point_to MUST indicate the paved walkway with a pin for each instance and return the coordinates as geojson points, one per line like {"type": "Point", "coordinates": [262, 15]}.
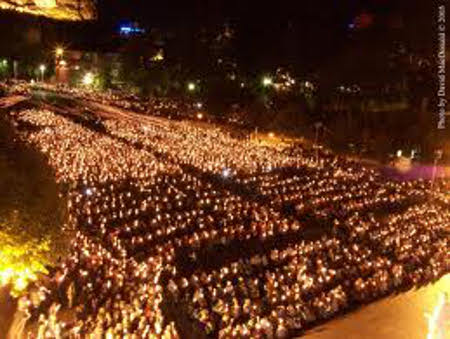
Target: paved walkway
{"type": "Point", "coordinates": [399, 317]}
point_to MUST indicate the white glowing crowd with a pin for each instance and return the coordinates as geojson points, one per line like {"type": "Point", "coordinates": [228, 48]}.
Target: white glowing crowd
{"type": "Point", "coordinates": [182, 231]}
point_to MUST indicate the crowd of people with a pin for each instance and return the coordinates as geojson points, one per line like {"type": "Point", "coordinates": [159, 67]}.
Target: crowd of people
{"type": "Point", "coordinates": [156, 106]}
{"type": "Point", "coordinates": [180, 230]}
{"type": "Point", "coordinates": [175, 108]}
{"type": "Point", "coordinates": [285, 290]}
{"type": "Point", "coordinates": [218, 152]}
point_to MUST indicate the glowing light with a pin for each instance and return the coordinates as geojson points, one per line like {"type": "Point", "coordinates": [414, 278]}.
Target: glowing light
{"type": "Point", "coordinates": [199, 105]}
{"type": "Point", "coordinates": [191, 86]}
{"type": "Point", "coordinates": [267, 81]}
{"type": "Point", "coordinates": [59, 51]}
{"type": "Point", "coordinates": [88, 192]}
{"type": "Point", "coordinates": [42, 68]}
{"type": "Point", "coordinates": [158, 56]}
{"type": "Point", "coordinates": [199, 115]}
{"type": "Point", "coordinates": [129, 30]}
{"type": "Point", "coordinates": [399, 153]}
{"type": "Point", "coordinates": [20, 262]}
{"type": "Point", "coordinates": [271, 135]}
{"type": "Point", "coordinates": [19, 277]}
{"type": "Point", "coordinates": [45, 3]}
{"type": "Point", "coordinates": [226, 172]}
{"type": "Point", "coordinates": [88, 79]}
{"type": "Point", "coordinates": [63, 63]}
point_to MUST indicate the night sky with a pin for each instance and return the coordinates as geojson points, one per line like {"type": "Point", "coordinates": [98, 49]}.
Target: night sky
{"type": "Point", "coordinates": [308, 34]}
{"type": "Point", "coordinates": [173, 12]}
{"type": "Point", "coordinates": [314, 20]}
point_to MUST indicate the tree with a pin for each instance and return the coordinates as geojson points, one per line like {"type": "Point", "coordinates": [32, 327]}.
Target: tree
{"type": "Point", "coordinates": [31, 213]}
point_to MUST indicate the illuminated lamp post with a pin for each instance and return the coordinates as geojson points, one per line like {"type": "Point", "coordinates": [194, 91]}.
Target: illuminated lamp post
{"type": "Point", "coordinates": [42, 68]}
{"type": "Point", "coordinates": [59, 52]}
{"type": "Point", "coordinates": [60, 63]}
{"type": "Point", "coordinates": [267, 81]}
{"type": "Point", "coordinates": [88, 79]}
{"type": "Point", "coordinates": [191, 86]}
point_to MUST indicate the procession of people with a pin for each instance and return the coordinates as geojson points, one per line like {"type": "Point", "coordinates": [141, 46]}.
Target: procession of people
{"type": "Point", "coordinates": [178, 228]}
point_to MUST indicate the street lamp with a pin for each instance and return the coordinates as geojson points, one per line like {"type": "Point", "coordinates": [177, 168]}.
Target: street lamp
{"type": "Point", "coordinates": [191, 86]}
{"type": "Point", "coordinates": [88, 79]}
{"type": "Point", "coordinates": [267, 81]}
{"type": "Point", "coordinates": [42, 68]}
{"type": "Point", "coordinates": [59, 51]}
